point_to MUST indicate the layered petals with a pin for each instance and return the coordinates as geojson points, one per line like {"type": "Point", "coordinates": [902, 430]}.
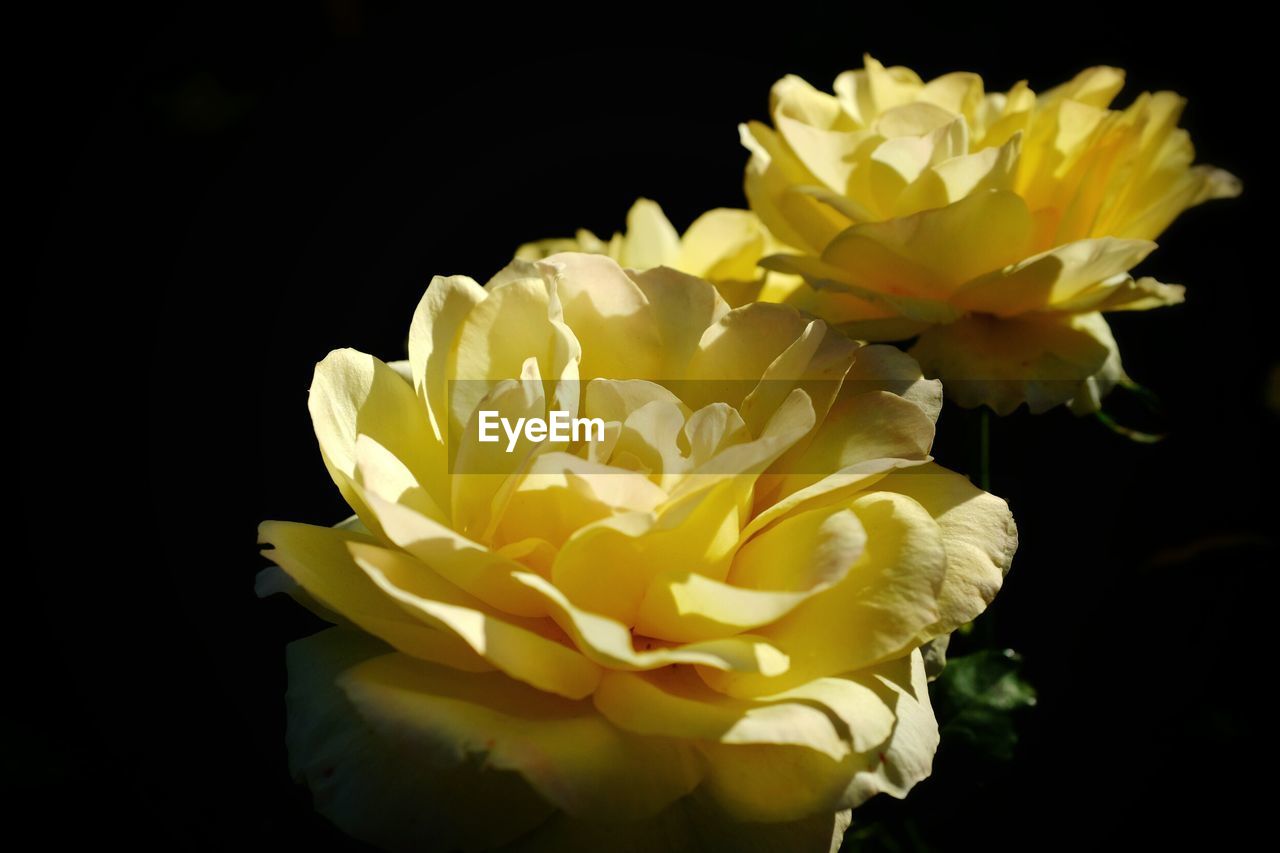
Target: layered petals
{"type": "Point", "coordinates": [723, 246]}
{"type": "Point", "coordinates": [700, 614]}
{"type": "Point", "coordinates": [912, 207]}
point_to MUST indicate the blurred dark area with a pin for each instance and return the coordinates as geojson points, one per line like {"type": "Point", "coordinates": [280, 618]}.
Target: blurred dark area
{"type": "Point", "coordinates": [224, 193]}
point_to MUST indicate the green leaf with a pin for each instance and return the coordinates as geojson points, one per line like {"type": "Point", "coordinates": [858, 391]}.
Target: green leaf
{"type": "Point", "coordinates": [976, 697]}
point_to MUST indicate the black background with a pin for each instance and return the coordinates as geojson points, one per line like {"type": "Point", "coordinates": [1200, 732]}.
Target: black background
{"type": "Point", "coordinates": [226, 193]}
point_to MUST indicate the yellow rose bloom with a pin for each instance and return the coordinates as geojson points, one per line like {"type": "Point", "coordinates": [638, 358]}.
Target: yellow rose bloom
{"type": "Point", "coordinates": [699, 629]}
{"type": "Point", "coordinates": [994, 227]}
{"type": "Point", "coordinates": [723, 246]}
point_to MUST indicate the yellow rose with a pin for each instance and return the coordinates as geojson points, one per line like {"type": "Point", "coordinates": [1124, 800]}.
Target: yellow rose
{"type": "Point", "coordinates": [698, 629]}
{"type": "Point", "coordinates": [995, 227]}
{"type": "Point", "coordinates": [723, 246]}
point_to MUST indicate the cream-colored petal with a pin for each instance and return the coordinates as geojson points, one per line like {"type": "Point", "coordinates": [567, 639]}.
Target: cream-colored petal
{"type": "Point", "coordinates": [869, 420]}
{"type": "Point", "coordinates": [1096, 86]}
{"type": "Point", "coordinates": [684, 308]}
{"type": "Point", "coordinates": [379, 470]}
{"type": "Point", "coordinates": [674, 702]}
{"type": "Point", "coordinates": [907, 757]}
{"type": "Point", "coordinates": [565, 750]}
{"type": "Point", "coordinates": [880, 305]}
{"type": "Point", "coordinates": [523, 649]}
{"type": "Point", "coordinates": [899, 753]}
{"type": "Point", "coordinates": [828, 542]}
{"type": "Point", "coordinates": [786, 429]}
{"type": "Point", "coordinates": [884, 368]}
{"type": "Point", "coordinates": [610, 643]}
{"type": "Point", "coordinates": [817, 131]}
{"type": "Point", "coordinates": [978, 533]}
{"type": "Point", "coordinates": [711, 429]}
{"type": "Point", "coordinates": [1123, 293]}
{"type": "Point", "coordinates": [651, 435]}
{"type": "Point", "coordinates": [736, 351]}
{"type": "Point", "coordinates": [772, 574]}
{"type": "Point", "coordinates": [483, 471]}
{"type": "Point", "coordinates": [403, 369]}
{"type": "Point", "coordinates": [520, 319]}
{"type": "Point", "coordinates": [562, 493]}
{"type": "Point", "coordinates": [771, 783]}
{"type": "Point", "coordinates": [617, 400]}
{"type": "Point", "coordinates": [651, 239]}
{"type": "Point", "coordinates": [352, 394]}
{"type": "Point", "coordinates": [607, 567]}
{"type": "Point", "coordinates": [318, 560]}
{"type": "Point", "coordinates": [874, 613]}
{"type": "Point", "coordinates": [1052, 279]}
{"type": "Point", "coordinates": [603, 307]}
{"type": "Point", "coordinates": [893, 734]}
{"type": "Point", "coordinates": [930, 254]}
{"type": "Point", "coordinates": [401, 793]}
{"type": "Point", "coordinates": [274, 579]}
{"type": "Point", "coordinates": [436, 322]}
{"type": "Point", "coordinates": [959, 92]}
{"type": "Point", "coordinates": [829, 490]}
{"type": "Point", "coordinates": [1088, 398]}
{"type": "Point", "coordinates": [961, 176]}
{"type": "Point", "coordinates": [815, 362]}
{"type": "Point", "coordinates": [775, 186]}
{"type": "Point", "coordinates": [538, 250]}
{"type": "Point", "coordinates": [874, 89]}
{"type": "Point", "coordinates": [916, 119]}
{"type": "Point", "coordinates": [723, 244]}
{"type": "Point", "coordinates": [859, 428]}
{"type": "Point", "coordinates": [857, 318]}
{"type": "Point", "coordinates": [484, 573]}
{"type": "Point", "coordinates": [1038, 359]}
{"type": "Point", "coordinates": [857, 700]}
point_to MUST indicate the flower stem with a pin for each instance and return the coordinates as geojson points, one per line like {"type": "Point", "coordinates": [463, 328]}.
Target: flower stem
{"type": "Point", "coordinates": [984, 449]}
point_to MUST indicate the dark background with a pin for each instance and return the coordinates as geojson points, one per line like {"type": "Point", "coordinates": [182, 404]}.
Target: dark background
{"type": "Point", "coordinates": [225, 193]}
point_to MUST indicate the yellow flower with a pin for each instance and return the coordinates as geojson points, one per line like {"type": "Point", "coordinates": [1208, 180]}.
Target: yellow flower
{"type": "Point", "coordinates": [723, 246]}
{"type": "Point", "coordinates": [996, 227]}
{"type": "Point", "coordinates": [702, 623]}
